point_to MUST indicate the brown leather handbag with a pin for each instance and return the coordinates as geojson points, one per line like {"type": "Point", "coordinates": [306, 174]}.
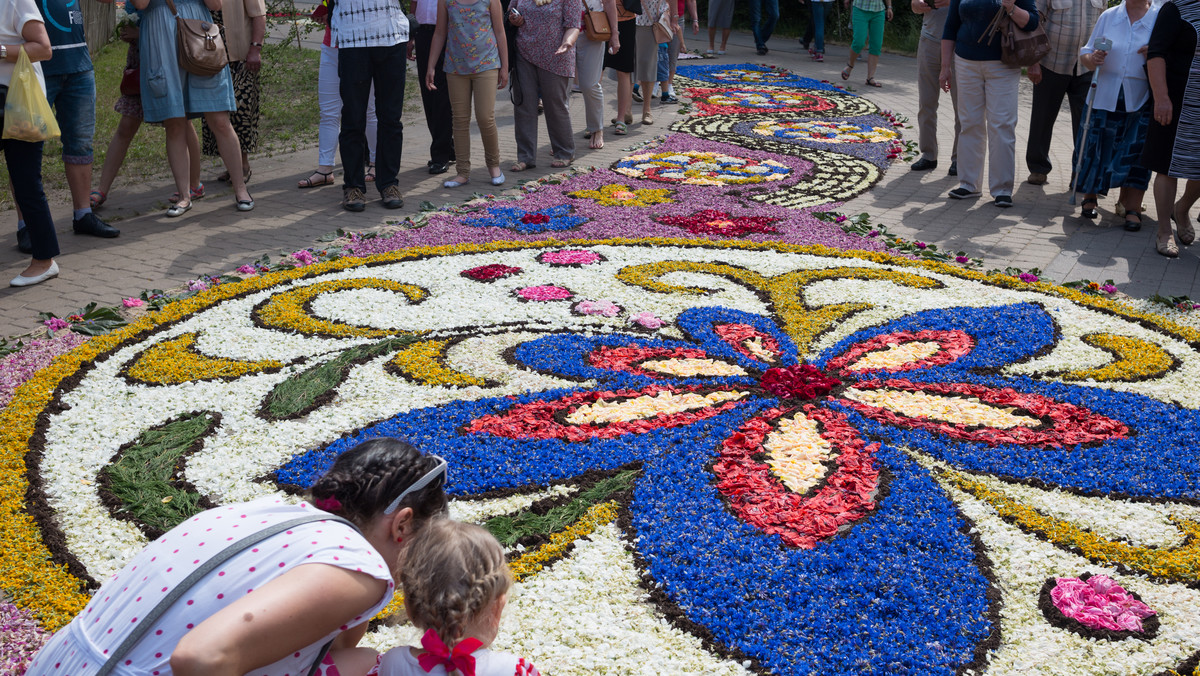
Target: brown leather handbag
{"type": "Point", "coordinates": [1019, 48]}
{"type": "Point", "coordinates": [595, 24]}
{"type": "Point", "coordinates": [199, 44]}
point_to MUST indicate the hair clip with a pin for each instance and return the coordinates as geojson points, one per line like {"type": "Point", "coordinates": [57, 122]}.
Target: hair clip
{"type": "Point", "coordinates": [329, 504]}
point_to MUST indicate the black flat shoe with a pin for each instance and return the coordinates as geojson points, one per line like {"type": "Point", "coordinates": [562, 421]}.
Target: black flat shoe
{"type": "Point", "coordinates": [953, 169]}
{"type": "Point", "coordinates": [439, 167]}
{"type": "Point", "coordinates": [924, 164]}
{"type": "Point", "coordinates": [1089, 211]}
{"type": "Point", "coordinates": [1130, 225]}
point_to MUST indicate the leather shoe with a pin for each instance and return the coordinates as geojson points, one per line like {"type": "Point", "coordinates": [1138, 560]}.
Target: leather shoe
{"type": "Point", "coordinates": [90, 224]}
{"type": "Point", "coordinates": [22, 280]}
{"type": "Point", "coordinates": [1037, 179]}
{"type": "Point", "coordinates": [953, 169]}
{"type": "Point", "coordinates": [24, 241]}
{"type": "Point", "coordinates": [924, 164]}
{"type": "Point", "coordinates": [438, 167]}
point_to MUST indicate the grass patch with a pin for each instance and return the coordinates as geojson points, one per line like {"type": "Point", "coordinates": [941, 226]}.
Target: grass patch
{"type": "Point", "coordinates": [289, 119]}
{"type": "Point", "coordinates": [510, 529]}
{"type": "Point", "coordinates": [143, 480]}
{"type": "Point", "coordinates": [306, 391]}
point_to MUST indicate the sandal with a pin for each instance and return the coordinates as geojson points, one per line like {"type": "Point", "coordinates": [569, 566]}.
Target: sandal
{"type": "Point", "coordinates": [621, 128]}
{"type": "Point", "coordinates": [562, 164]}
{"type": "Point", "coordinates": [370, 177]}
{"type": "Point", "coordinates": [1187, 232]}
{"type": "Point", "coordinates": [1088, 211]}
{"type": "Point", "coordinates": [846, 71]}
{"type": "Point", "coordinates": [1131, 225]}
{"type": "Point", "coordinates": [310, 182]}
{"type": "Point", "coordinates": [97, 198]}
{"type": "Point", "coordinates": [521, 166]}
{"type": "Point", "coordinates": [872, 83]}
{"type": "Point", "coordinates": [196, 194]}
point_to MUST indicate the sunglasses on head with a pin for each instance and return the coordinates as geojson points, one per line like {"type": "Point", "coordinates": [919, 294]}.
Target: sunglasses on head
{"type": "Point", "coordinates": [439, 470]}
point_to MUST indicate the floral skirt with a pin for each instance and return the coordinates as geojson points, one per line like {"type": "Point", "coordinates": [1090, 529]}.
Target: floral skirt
{"type": "Point", "coordinates": [245, 118]}
{"type": "Point", "coordinates": [1112, 151]}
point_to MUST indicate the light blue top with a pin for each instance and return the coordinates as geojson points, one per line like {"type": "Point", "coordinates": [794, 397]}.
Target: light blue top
{"type": "Point", "coordinates": [470, 38]}
{"type": "Point", "coordinates": [169, 91]}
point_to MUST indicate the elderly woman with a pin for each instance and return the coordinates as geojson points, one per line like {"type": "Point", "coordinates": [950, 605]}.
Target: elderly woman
{"type": "Point", "coordinates": [322, 570]}
{"type": "Point", "coordinates": [171, 95]}
{"type": "Point", "coordinates": [545, 66]}
{"type": "Point", "coordinates": [589, 66]}
{"type": "Point", "coordinates": [647, 47]}
{"type": "Point", "coordinates": [1120, 110]}
{"type": "Point", "coordinates": [1174, 133]}
{"type": "Point", "coordinates": [21, 27]}
{"type": "Point", "coordinates": [987, 94]}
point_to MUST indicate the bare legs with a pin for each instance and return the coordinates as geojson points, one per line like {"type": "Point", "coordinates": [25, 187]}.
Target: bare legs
{"type": "Point", "coordinates": [231, 152]}
{"type": "Point", "coordinates": [646, 98]}
{"type": "Point", "coordinates": [118, 147]}
{"type": "Point", "coordinates": [712, 38]}
{"type": "Point", "coordinates": [183, 154]}
{"type": "Point", "coordinates": [624, 95]}
{"type": "Point", "coordinates": [179, 156]}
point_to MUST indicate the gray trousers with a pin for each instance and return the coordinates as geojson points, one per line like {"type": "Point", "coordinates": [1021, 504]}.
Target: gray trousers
{"type": "Point", "coordinates": [589, 66]}
{"type": "Point", "coordinates": [554, 90]}
{"type": "Point", "coordinates": [929, 66]}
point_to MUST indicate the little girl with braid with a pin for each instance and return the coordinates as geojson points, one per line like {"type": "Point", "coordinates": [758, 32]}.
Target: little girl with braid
{"type": "Point", "coordinates": [455, 586]}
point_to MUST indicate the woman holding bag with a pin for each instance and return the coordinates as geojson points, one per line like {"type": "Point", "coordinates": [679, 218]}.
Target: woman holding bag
{"type": "Point", "coordinates": [653, 12]}
{"type": "Point", "coordinates": [318, 573]}
{"type": "Point", "coordinates": [21, 28]}
{"type": "Point", "coordinates": [172, 95]}
{"type": "Point", "coordinates": [589, 67]}
{"type": "Point", "coordinates": [545, 66]}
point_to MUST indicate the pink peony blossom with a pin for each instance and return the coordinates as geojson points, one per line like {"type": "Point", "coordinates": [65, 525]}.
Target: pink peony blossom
{"type": "Point", "coordinates": [962, 259]}
{"type": "Point", "coordinates": [303, 257]}
{"type": "Point", "coordinates": [247, 270]}
{"type": "Point", "coordinates": [544, 293]}
{"type": "Point", "coordinates": [133, 302]}
{"type": "Point", "coordinates": [1108, 288]}
{"type": "Point", "coordinates": [647, 319]}
{"type": "Point", "coordinates": [56, 324]}
{"type": "Point", "coordinates": [1028, 277]}
{"type": "Point", "coordinates": [570, 257]}
{"type": "Point", "coordinates": [605, 308]}
{"type": "Point", "coordinates": [1099, 603]}
{"type": "Point", "coordinates": [196, 285]}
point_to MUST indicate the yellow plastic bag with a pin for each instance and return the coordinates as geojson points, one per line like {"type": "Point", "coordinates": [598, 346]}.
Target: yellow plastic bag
{"type": "Point", "coordinates": [27, 114]}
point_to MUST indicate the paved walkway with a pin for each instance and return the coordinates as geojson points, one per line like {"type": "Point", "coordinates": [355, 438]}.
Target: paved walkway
{"type": "Point", "coordinates": [155, 252]}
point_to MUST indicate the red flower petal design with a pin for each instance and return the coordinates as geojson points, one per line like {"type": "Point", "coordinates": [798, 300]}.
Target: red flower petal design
{"type": "Point", "coordinates": [952, 344]}
{"type": "Point", "coordinates": [749, 341]}
{"type": "Point", "coordinates": [629, 357]}
{"type": "Point", "coordinates": [757, 496]}
{"type": "Point", "coordinates": [1062, 424]}
{"type": "Point", "coordinates": [550, 419]}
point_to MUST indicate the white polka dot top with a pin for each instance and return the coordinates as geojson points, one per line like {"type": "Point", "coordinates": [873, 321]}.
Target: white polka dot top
{"type": "Point", "coordinates": [80, 648]}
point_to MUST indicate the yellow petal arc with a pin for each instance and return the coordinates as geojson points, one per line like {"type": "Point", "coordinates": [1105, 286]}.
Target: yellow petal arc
{"type": "Point", "coordinates": [1133, 359]}
{"type": "Point", "coordinates": [176, 360]}
{"type": "Point", "coordinates": [290, 310]}
{"type": "Point", "coordinates": [957, 410]}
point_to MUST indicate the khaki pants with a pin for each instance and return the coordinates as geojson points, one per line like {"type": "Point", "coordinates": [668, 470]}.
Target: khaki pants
{"type": "Point", "coordinates": [987, 111]}
{"type": "Point", "coordinates": [481, 87]}
{"type": "Point", "coordinates": [929, 67]}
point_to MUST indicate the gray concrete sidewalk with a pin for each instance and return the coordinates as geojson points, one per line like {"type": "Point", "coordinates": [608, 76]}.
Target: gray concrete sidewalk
{"type": "Point", "coordinates": [155, 252]}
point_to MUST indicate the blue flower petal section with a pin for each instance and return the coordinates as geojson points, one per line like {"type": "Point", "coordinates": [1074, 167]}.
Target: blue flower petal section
{"type": "Point", "coordinates": [481, 462]}
{"type": "Point", "coordinates": [900, 593]}
{"type": "Point", "coordinates": [698, 324]}
{"type": "Point", "coordinates": [514, 218]}
{"type": "Point", "coordinates": [1003, 335]}
{"type": "Point", "coordinates": [1158, 459]}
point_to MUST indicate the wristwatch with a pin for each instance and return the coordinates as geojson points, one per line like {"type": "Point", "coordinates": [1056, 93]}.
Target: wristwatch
{"type": "Point", "coordinates": [3, 52]}
{"type": "Point", "coordinates": [256, 44]}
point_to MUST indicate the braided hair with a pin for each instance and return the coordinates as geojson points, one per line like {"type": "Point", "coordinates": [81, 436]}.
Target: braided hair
{"type": "Point", "coordinates": [452, 572]}
{"type": "Point", "coordinates": [365, 479]}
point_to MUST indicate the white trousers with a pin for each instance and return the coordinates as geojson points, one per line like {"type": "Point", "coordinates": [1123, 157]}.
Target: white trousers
{"type": "Point", "coordinates": [329, 99]}
{"type": "Point", "coordinates": [987, 111]}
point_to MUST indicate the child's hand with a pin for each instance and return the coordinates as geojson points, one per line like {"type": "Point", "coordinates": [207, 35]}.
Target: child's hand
{"type": "Point", "coordinates": [503, 82]}
{"type": "Point", "coordinates": [429, 78]}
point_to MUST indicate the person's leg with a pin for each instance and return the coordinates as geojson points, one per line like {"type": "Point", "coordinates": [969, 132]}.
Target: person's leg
{"type": "Point", "coordinates": [75, 110]}
{"type": "Point", "coordinates": [329, 103]}
{"type": "Point", "coordinates": [436, 102]}
{"type": "Point", "coordinates": [809, 29]}
{"type": "Point", "coordinates": [1047, 100]}
{"type": "Point", "coordinates": [1183, 208]}
{"type": "Point", "coordinates": [712, 36]}
{"type": "Point", "coordinates": [230, 150]}
{"type": "Point", "coordinates": [483, 87]}
{"type": "Point", "coordinates": [1000, 99]}
{"type": "Point", "coordinates": [971, 114]}
{"type": "Point", "coordinates": [194, 156]}
{"type": "Point", "coordinates": [354, 86]}
{"type": "Point", "coordinates": [928, 92]}
{"type": "Point", "coordinates": [624, 94]}
{"type": "Point", "coordinates": [388, 67]}
{"type": "Point", "coordinates": [663, 72]}
{"type": "Point", "coordinates": [117, 148]}
{"type": "Point", "coordinates": [525, 123]}
{"type": "Point", "coordinates": [818, 26]}
{"type": "Point", "coordinates": [178, 156]}
{"type": "Point", "coordinates": [725, 32]}
{"type": "Point", "coordinates": [755, 17]}
{"type": "Point", "coordinates": [589, 70]}
{"type": "Point", "coordinates": [770, 18]}
{"type": "Point", "coordinates": [556, 93]}
{"type": "Point", "coordinates": [1164, 204]}
{"type": "Point", "coordinates": [373, 128]}
{"type": "Point", "coordinates": [24, 162]}
{"type": "Point", "coordinates": [858, 39]}
{"type": "Point", "coordinates": [874, 42]}
{"type": "Point", "coordinates": [460, 87]}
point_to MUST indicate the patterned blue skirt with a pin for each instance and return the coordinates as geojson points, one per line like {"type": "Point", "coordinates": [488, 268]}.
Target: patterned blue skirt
{"type": "Point", "coordinates": [1112, 153]}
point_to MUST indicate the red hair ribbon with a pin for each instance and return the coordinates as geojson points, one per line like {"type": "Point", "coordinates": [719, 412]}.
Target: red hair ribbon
{"type": "Point", "coordinates": [329, 504]}
{"type": "Point", "coordinates": [437, 653]}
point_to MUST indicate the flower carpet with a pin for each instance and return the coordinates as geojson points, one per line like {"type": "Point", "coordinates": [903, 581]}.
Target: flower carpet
{"type": "Point", "coordinates": [716, 432]}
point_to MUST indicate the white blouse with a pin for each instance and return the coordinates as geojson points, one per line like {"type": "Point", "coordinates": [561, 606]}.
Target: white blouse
{"type": "Point", "coordinates": [1123, 69]}
{"type": "Point", "coordinates": [14, 14]}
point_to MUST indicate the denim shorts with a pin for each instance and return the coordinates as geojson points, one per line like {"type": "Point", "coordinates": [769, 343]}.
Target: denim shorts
{"type": "Point", "coordinates": [73, 96]}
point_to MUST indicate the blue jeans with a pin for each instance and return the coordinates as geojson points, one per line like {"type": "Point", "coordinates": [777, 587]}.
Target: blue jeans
{"type": "Point", "coordinates": [25, 169]}
{"type": "Point", "coordinates": [815, 33]}
{"type": "Point", "coordinates": [73, 96]}
{"type": "Point", "coordinates": [762, 32]}
{"type": "Point", "coordinates": [358, 67]}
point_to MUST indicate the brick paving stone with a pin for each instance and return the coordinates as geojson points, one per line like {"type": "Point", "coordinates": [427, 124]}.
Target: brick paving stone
{"type": "Point", "coordinates": [1042, 230]}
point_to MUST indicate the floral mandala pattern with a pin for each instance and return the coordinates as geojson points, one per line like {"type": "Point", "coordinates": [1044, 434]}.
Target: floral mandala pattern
{"type": "Point", "coordinates": [557, 218]}
{"type": "Point", "coordinates": [701, 168]}
{"type": "Point", "coordinates": [825, 131]}
{"type": "Point", "coordinates": [620, 195]}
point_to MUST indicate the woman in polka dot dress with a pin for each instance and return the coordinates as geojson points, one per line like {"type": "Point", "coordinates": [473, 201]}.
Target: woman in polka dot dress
{"type": "Point", "coordinates": [272, 608]}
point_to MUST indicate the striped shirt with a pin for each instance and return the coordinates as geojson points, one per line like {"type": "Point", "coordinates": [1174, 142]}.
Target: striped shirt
{"type": "Point", "coordinates": [1068, 24]}
{"type": "Point", "coordinates": [368, 23]}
